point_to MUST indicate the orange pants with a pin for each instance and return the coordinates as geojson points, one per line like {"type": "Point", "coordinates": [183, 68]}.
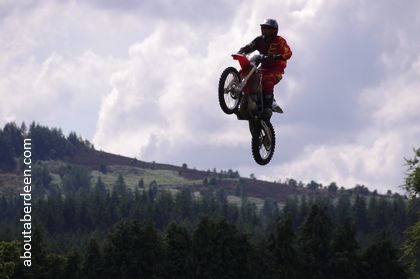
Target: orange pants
{"type": "Point", "coordinates": [269, 79]}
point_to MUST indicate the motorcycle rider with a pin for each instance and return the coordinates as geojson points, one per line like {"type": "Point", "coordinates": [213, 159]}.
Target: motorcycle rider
{"type": "Point", "coordinates": [276, 52]}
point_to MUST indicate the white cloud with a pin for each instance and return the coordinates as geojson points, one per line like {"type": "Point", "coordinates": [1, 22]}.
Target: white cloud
{"type": "Point", "coordinates": [372, 154]}
{"type": "Point", "coordinates": [57, 91]}
{"type": "Point", "coordinates": [140, 79]}
{"type": "Point", "coordinates": [51, 69]}
{"type": "Point", "coordinates": [371, 163]}
{"type": "Point", "coordinates": [164, 94]}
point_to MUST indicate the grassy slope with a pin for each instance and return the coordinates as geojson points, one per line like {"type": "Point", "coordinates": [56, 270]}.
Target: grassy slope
{"type": "Point", "coordinates": [166, 176]}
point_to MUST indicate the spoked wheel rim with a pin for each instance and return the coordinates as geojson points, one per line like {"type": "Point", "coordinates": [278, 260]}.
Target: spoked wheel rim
{"type": "Point", "coordinates": [229, 93]}
{"type": "Point", "coordinates": [263, 143]}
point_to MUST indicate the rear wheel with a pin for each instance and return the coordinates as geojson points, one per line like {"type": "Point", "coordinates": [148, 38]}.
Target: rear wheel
{"type": "Point", "coordinates": [229, 96]}
{"type": "Point", "coordinates": [263, 143]}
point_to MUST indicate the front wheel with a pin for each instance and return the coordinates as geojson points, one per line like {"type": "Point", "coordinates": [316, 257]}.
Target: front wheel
{"type": "Point", "coordinates": [229, 96]}
{"type": "Point", "coordinates": [263, 143]}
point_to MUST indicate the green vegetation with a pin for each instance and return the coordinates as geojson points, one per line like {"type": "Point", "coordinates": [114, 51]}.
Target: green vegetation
{"type": "Point", "coordinates": [411, 245]}
{"type": "Point", "coordinates": [92, 232]}
{"type": "Point", "coordinates": [163, 237]}
{"type": "Point", "coordinates": [132, 175]}
{"type": "Point", "coordinates": [137, 220]}
{"type": "Point", "coordinates": [412, 181]}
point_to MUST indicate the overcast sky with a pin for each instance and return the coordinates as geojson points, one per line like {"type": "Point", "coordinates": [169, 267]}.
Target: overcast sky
{"type": "Point", "coordinates": [139, 78]}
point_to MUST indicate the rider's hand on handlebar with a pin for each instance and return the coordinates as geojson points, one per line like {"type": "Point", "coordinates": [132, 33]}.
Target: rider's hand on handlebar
{"type": "Point", "coordinates": [272, 57]}
{"type": "Point", "coordinates": [279, 57]}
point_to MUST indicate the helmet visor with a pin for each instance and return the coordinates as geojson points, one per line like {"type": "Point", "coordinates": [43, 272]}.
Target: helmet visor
{"type": "Point", "coordinates": [268, 31]}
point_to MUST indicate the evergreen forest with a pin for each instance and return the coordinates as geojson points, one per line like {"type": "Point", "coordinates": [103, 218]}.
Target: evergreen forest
{"type": "Point", "coordinates": [89, 224]}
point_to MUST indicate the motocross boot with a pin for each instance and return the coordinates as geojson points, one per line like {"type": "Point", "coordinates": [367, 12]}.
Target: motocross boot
{"type": "Point", "coordinates": [268, 103]}
{"type": "Point", "coordinates": [275, 107]}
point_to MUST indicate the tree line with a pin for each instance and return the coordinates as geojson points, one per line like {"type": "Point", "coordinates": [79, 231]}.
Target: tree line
{"type": "Point", "coordinates": [50, 143]}
{"type": "Point", "coordinates": [214, 248]}
{"type": "Point", "coordinates": [86, 230]}
{"type": "Point", "coordinates": [79, 203]}
{"type": "Point", "coordinates": [112, 231]}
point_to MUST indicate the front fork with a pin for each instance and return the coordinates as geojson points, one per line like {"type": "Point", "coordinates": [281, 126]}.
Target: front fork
{"type": "Point", "coordinates": [246, 78]}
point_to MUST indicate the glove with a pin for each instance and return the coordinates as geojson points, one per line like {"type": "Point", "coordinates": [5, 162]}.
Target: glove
{"type": "Point", "coordinates": [244, 50]}
{"type": "Point", "coordinates": [272, 57]}
{"type": "Point", "coordinates": [279, 57]}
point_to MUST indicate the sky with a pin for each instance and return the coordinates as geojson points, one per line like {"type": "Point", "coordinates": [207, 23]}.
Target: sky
{"type": "Point", "coordinates": [139, 78]}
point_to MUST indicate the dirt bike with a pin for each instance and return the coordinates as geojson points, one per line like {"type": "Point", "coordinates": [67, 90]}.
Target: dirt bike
{"type": "Point", "coordinates": [240, 93]}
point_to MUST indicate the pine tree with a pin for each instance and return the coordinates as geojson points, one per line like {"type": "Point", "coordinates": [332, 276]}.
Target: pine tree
{"type": "Point", "coordinates": [381, 261]}
{"type": "Point", "coordinates": [342, 210]}
{"type": "Point", "coordinates": [141, 183]}
{"type": "Point", "coordinates": [133, 250]}
{"type": "Point", "coordinates": [314, 242]}
{"type": "Point", "coordinates": [7, 161]}
{"type": "Point", "coordinates": [303, 210]}
{"type": "Point", "coordinates": [345, 262]}
{"type": "Point", "coordinates": [92, 266]}
{"type": "Point", "coordinates": [100, 188]}
{"type": "Point", "coordinates": [291, 208]}
{"type": "Point", "coordinates": [72, 267]}
{"type": "Point", "coordinates": [220, 251]}
{"type": "Point", "coordinates": [163, 209]}
{"type": "Point", "coordinates": [14, 138]}
{"type": "Point", "coordinates": [372, 213]}
{"type": "Point", "coordinates": [360, 214]}
{"type": "Point", "coordinates": [39, 260]}
{"type": "Point", "coordinates": [77, 180]}
{"type": "Point", "coordinates": [268, 210]}
{"type": "Point", "coordinates": [184, 204]}
{"type": "Point", "coordinates": [9, 258]}
{"type": "Point", "coordinates": [179, 251]}
{"type": "Point", "coordinates": [412, 181]}
{"type": "Point", "coordinates": [283, 255]}
{"type": "Point", "coordinates": [56, 265]}
{"type": "Point", "coordinates": [411, 247]}
{"type": "Point", "coordinates": [70, 216]}
{"type": "Point", "coordinates": [120, 186]}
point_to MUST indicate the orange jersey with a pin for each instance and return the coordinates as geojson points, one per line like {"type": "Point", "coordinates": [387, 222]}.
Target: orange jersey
{"type": "Point", "coordinates": [276, 46]}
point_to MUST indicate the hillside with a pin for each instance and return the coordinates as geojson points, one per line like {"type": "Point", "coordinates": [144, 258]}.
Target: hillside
{"type": "Point", "coordinates": [227, 180]}
{"type": "Point", "coordinates": [55, 153]}
{"type": "Point", "coordinates": [109, 166]}
{"type": "Point", "coordinates": [92, 205]}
